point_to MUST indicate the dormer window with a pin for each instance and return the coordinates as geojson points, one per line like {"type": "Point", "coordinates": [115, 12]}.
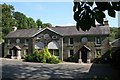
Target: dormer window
{"type": "Point", "coordinates": [71, 41]}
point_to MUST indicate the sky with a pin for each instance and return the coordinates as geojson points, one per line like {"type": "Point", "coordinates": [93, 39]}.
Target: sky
{"type": "Point", "coordinates": [56, 13]}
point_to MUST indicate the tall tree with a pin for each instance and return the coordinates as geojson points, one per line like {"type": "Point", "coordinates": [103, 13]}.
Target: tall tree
{"type": "Point", "coordinates": [85, 12]}
{"type": "Point", "coordinates": [39, 22]}
{"type": "Point", "coordinates": [117, 35]}
{"type": "Point", "coordinates": [44, 25]}
{"type": "Point", "coordinates": [113, 32]}
{"type": "Point", "coordinates": [31, 23]}
{"type": "Point", "coordinates": [21, 20]}
{"type": "Point", "coordinates": [7, 20]}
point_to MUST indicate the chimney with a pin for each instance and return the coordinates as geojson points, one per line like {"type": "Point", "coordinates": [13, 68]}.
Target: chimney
{"type": "Point", "coordinates": [105, 21]}
{"type": "Point", "coordinates": [14, 28]}
{"type": "Point", "coordinates": [39, 28]}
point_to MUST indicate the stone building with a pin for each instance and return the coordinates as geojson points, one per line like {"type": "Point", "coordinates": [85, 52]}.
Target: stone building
{"type": "Point", "coordinates": [62, 41]}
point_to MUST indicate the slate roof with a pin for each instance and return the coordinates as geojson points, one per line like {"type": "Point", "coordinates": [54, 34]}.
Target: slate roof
{"type": "Point", "coordinates": [63, 30]}
{"type": "Point", "coordinates": [71, 30]}
{"type": "Point", "coordinates": [116, 43]}
{"type": "Point", "coordinates": [22, 33]}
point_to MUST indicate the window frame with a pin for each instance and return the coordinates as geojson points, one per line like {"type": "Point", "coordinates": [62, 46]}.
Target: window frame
{"type": "Point", "coordinates": [70, 52]}
{"type": "Point", "coordinates": [98, 40]}
{"type": "Point", "coordinates": [71, 43]}
{"type": "Point", "coordinates": [26, 41]}
{"type": "Point", "coordinates": [9, 41]}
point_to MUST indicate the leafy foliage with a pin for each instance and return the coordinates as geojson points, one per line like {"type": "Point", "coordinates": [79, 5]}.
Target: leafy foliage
{"type": "Point", "coordinates": [43, 25]}
{"type": "Point", "coordinates": [113, 33]}
{"type": "Point", "coordinates": [10, 18]}
{"type": "Point", "coordinates": [31, 23]}
{"type": "Point", "coordinates": [7, 20]}
{"type": "Point", "coordinates": [46, 25]}
{"type": "Point", "coordinates": [22, 22]}
{"type": "Point", "coordinates": [42, 56]}
{"type": "Point", "coordinates": [117, 35]}
{"type": "Point", "coordinates": [85, 15]}
{"type": "Point", "coordinates": [39, 22]}
{"type": "Point", "coordinates": [53, 60]}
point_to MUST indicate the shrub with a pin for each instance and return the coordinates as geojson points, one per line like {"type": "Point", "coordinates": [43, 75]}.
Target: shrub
{"type": "Point", "coordinates": [43, 56]}
{"type": "Point", "coordinates": [53, 60]}
{"type": "Point", "coordinates": [71, 59]}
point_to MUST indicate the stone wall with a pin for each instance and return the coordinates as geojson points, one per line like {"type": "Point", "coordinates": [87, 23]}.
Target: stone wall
{"type": "Point", "coordinates": [104, 46]}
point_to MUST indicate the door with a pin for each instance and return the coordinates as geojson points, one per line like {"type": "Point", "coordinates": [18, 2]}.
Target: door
{"type": "Point", "coordinates": [84, 56]}
{"type": "Point", "coordinates": [15, 52]}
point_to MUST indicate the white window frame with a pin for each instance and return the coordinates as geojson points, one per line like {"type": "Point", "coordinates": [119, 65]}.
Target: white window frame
{"type": "Point", "coordinates": [26, 42]}
{"type": "Point", "coordinates": [69, 52]}
{"type": "Point", "coordinates": [9, 42]}
{"type": "Point", "coordinates": [96, 40]}
{"type": "Point", "coordinates": [54, 37]}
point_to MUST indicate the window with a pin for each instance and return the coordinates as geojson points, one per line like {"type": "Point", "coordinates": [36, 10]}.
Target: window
{"type": "Point", "coordinates": [98, 40]}
{"type": "Point", "coordinates": [54, 37]}
{"type": "Point", "coordinates": [25, 51]}
{"type": "Point", "coordinates": [9, 52]}
{"type": "Point", "coordinates": [56, 52]}
{"type": "Point", "coordinates": [26, 41]}
{"type": "Point", "coordinates": [71, 52]}
{"type": "Point", "coordinates": [17, 40]}
{"type": "Point", "coordinates": [9, 42]}
{"type": "Point", "coordinates": [98, 53]}
{"type": "Point", "coordinates": [70, 40]}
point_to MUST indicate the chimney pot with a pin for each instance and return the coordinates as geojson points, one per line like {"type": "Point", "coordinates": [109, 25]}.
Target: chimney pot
{"type": "Point", "coordinates": [14, 28]}
{"type": "Point", "coordinates": [106, 22]}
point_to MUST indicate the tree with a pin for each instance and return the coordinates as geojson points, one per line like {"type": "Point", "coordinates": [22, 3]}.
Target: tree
{"type": "Point", "coordinates": [117, 35]}
{"type": "Point", "coordinates": [31, 23]}
{"type": "Point", "coordinates": [46, 25]}
{"type": "Point", "coordinates": [10, 18]}
{"type": "Point", "coordinates": [43, 25]}
{"type": "Point", "coordinates": [85, 13]}
{"type": "Point", "coordinates": [20, 20]}
{"type": "Point", "coordinates": [39, 22]}
{"type": "Point", "coordinates": [113, 32]}
{"type": "Point", "coordinates": [7, 19]}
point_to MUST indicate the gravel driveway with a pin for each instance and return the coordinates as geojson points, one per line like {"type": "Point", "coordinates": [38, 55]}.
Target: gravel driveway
{"type": "Point", "coordinates": [17, 69]}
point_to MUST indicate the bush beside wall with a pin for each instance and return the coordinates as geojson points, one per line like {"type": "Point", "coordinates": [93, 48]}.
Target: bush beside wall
{"type": "Point", "coordinates": [42, 56]}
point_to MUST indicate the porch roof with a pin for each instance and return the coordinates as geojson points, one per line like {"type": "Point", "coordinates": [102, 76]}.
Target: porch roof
{"type": "Point", "coordinates": [16, 47]}
{"type": "Point", "coordinates": [87, 48]}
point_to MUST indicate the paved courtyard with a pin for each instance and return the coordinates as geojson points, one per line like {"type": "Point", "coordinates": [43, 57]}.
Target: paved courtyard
{"type": "Point", "coordinates": [16, 69]}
